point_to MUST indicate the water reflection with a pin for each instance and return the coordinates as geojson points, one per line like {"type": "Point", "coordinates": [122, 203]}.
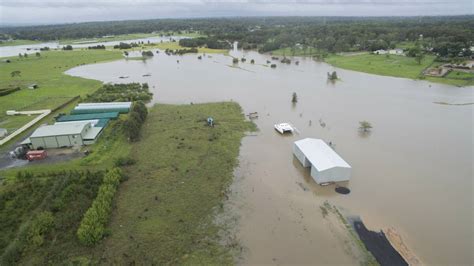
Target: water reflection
{"type": "Point", "coordinates": [403, 173]}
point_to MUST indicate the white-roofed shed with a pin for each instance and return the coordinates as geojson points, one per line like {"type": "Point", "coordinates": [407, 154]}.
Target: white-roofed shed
{"type": "Point", "coordinates": [326, 165]}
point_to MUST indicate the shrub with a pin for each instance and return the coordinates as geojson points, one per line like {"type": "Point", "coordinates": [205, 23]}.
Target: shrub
{"type": "Point", "coordinates": [124, 161]}
{"type": "Point", "coordinates": [92, 227]}
{"type": "Point", "coordinates": [38, 228]}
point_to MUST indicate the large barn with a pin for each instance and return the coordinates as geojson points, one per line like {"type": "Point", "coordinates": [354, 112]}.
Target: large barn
{"type": "Point", "coordinates": [326, 165]}
{"type": "Point", "coordinates": [64, 135]}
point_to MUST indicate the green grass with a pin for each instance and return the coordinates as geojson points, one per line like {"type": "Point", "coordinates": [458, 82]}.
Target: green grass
{"type": "Point", "coordinates": [393, 65]}
{"type": "Point", "coordinates": [295, 52]}
{"type": "Point", "coordinates": [55, 87]}
{"type": "Point", "coordinates": [396, 66]}
{"type": "Point", "coordinates": [164, 211]}
{"type": "Point", "coordinates": [175, 46]}
{"type": "Point", "coordinates": [17, 42]}
{"type": "Point", "coordinates": [125, 37]}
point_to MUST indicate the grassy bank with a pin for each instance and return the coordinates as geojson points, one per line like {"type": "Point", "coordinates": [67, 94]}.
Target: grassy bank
{"type": "Point", "coordinates": [395, 66]}
{"type": "Point", "coordinates": [17, 42]}
{"type": "Point", "coordinates": [176, 46]}
{"type": "Point", "coordinates": [295, 52]}
{"type": "Point", "coordinates": [55, 87]}
{"type": "Point", "coordinates": [164, 212]}
{"type": "Point", "coordinates": [125, 37]}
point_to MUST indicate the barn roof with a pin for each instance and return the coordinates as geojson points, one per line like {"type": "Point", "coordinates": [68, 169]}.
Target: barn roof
{"type": "Point", "coordinates": [59, 129]}
{"type": "Point", "coordinates": [320, 154]}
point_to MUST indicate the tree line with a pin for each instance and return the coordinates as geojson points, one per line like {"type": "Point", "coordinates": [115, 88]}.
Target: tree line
{"type": "Point", "coordinates": [447, 36]}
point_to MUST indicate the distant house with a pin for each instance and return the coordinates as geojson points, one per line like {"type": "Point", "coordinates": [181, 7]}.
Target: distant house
{"type": "Point", "coordinates": [33, 86]}
{"type": "Point", "coordinates": [395, 51]}
{"type": "Point", "coordinates": [381, 51]}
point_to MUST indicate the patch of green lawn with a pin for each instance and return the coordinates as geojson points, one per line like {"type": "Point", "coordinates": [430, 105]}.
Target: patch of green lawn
{"type": "Point", "coordinates": [165, 210]}
{"type": "Point", "coordinates": [294, 52]}
{"type": "Point", "coordinates": [17, 42]}
{"type": "Point", "coordinates": [392, 65]}
{"type": "Point", "coordinates": [176, 46]}
{"type": "Point", "coordinates": [55, 87]}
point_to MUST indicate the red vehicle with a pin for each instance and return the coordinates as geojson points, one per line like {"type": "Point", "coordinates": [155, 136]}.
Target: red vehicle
{"type": "Point", "coordinates": [36, 155]}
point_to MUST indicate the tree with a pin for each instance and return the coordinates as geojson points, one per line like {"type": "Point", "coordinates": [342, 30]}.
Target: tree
{"type": "Point", "coordinates": [365, 126]}
{"type": "Point", "coordinates": [16, 73]}
{"type": "Point", "coordinates": [419, 57]}
{"type": "Point", "coordinates": [38, 54]}
{"type": "Point", "coordinates": [332, 76]}
{"type": "Point", "coordinates": [294, 98]}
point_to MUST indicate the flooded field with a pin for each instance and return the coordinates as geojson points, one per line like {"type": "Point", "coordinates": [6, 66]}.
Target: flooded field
{"type": "Point", "coordinates": [413, 172]}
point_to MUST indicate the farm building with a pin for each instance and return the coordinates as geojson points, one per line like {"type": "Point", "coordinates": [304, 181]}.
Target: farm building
{"type": "Point", "coordinates": [91, 116]}
{"type": "Point", "coordinates": [94, 122]}
{"type": "Point", "coordinates": [88, 108]}
{"type": "Point", "coordinates": [63, 135]}
{"type": "Point", "coordinates": [326, 165]}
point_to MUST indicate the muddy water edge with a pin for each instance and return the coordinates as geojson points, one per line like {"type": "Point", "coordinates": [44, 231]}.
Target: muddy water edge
{"type": "Point", "coordinates": [413, 172]}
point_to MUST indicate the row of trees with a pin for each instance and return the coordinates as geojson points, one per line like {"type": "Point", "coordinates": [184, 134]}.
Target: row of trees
{"type": "Point", "coordinates": [133, 124]}
{"type": "Point", "coordinates": [92, 227]}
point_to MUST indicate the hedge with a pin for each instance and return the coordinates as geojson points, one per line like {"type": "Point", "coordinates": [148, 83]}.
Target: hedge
{"type": "Point", "coordinates": [92, 227]}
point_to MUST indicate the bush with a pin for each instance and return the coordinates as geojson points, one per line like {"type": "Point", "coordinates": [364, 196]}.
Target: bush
{"type": "Point", "coordinates": [135, 120]}
{"type": "Point", "coordinates": [92, 227]}
{"type": "Point", "coordinates": [38, 228]}
{"type": "Point", "coordinates": [124, 161]}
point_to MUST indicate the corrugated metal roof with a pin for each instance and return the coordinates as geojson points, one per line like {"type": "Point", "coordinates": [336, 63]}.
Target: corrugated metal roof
{"type": "Point", "coordinates": [92, 133]}
{"type": "Point", "coordinates": [100, 110]}
{"type": "Point", "coordinates": [128, 104]}
{"type": "Point", "coordinates": [97, 106]}
{"type": "Point", "coordinates": [59, 129]}
{"type": "Point", "coordinates": [320, 154]}
{"type": "Point", "coordinates": [93, 122]}
{"type": "Point", "coordinates": [78, 117]}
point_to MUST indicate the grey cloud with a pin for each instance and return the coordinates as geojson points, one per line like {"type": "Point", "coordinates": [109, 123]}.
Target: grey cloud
{"type": "Point", "coordinates": [66, 11]}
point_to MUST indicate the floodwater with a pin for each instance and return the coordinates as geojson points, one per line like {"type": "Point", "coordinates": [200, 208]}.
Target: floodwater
{"type": "Point", "coordinates": [413, 172]}
{"type": "Point", "coordinates": [6, 51]}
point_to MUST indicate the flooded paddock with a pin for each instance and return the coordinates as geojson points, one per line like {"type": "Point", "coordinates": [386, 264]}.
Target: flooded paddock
{"type": "Point", "coordinates": [412, 172]}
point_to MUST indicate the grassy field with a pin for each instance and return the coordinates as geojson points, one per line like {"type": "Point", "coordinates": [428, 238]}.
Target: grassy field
{"type": "Point", "coordinates": [164, 211]}
{"type": "Point", "coordinates": [396, 66]}
{"type": "Point", "coordinates": [55, 87]}
{"type": "Point", "coordinates": [175, 46]}
{"type": "Point", "coordinates": [17, 42]}
{"type": "Point", "coordinates": [294, 52]}
{"type": "Point", "coordinates": [393, 65]}
{"type": "Point", "coordinates": [124, 37]}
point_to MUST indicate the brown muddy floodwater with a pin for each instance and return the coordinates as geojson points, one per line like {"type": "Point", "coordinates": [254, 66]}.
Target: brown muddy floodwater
{"type": "Point", "coordinates": [414, 172]}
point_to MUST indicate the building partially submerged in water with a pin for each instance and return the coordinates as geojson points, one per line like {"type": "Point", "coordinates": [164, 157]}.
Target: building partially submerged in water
{"type": "Point", "coordinates": [326, 165]}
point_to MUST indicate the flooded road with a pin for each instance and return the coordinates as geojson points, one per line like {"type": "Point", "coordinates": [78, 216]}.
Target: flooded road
{"type": "Point", "coordinates": [413, 172]}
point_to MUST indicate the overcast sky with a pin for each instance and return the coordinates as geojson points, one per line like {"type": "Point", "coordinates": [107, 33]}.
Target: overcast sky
{"type": "Point", "coordinates": [65, 11]}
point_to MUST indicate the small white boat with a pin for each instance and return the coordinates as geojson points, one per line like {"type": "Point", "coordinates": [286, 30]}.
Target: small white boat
{"type": "Point", "coordinates": [284, 128]}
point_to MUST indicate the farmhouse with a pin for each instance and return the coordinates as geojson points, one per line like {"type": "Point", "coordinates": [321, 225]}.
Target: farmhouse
{"type": "Point", "coordinates": [63, 135]}
{"type": "Point", "coordinates": [381, 51]}
{"type": "Point", "coordinates": [326, 165]}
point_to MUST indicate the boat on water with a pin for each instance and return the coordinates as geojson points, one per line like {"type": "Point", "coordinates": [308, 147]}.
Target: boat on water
{"type": "Point", "coordinates": [283, 128]}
